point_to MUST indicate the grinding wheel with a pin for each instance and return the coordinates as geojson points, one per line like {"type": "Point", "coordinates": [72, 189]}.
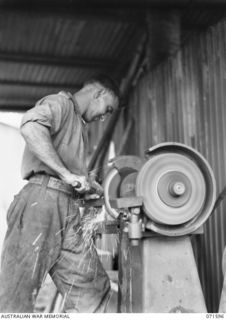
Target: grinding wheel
{"type": "Point", "coordinates": [172, 187]}
{"type": "Point", "coordinates": [178, 189]}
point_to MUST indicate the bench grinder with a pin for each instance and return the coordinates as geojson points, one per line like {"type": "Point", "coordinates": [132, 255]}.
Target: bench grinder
{"type": "Point", "coordinates": [160, 203]}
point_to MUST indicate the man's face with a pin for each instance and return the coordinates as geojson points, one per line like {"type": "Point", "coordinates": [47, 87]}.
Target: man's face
{"type": "Point", "coordinates": [101, 105]}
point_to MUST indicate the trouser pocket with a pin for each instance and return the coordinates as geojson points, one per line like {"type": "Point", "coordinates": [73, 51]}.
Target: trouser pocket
{"type": "Point", "coordinates": [73, 230]}
{"type": "Point", "coordinates": [15, 212]}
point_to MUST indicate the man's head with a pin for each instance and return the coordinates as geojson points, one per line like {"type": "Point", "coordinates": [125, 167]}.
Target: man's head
{"type": "Point", "coordinates": [101, 97]}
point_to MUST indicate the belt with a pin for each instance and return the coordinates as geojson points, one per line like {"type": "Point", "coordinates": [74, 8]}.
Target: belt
{"type": "Point", "coordinates": [54, 183]}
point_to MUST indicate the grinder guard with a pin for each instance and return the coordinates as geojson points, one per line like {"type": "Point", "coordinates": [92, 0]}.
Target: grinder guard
{"type": "Point", "coordinates": [176, 183]}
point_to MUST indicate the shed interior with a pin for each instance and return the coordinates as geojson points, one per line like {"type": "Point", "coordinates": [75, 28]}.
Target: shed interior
{"type": "Point", "coordinates": [48, 46]}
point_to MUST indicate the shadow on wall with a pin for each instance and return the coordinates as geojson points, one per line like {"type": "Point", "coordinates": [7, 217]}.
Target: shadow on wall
{"type": "Point", "coordinates": [11, 146]}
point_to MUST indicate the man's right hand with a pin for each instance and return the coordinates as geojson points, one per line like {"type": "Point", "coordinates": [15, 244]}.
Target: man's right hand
{"type": "Point", "coordinates": [80, 183]}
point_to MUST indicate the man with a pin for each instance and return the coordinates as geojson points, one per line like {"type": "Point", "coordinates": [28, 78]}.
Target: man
{"type": "Point", "coordinates": [44, 225]}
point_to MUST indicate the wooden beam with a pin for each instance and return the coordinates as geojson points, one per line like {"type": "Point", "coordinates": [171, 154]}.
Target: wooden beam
{"type": "Point", "coordinates": [125, 137]}
{"type": "Point", "coordinates": [66, 62]}
{"type": "Point", "coordinates": [22, 95]}
{"type": "Point", "coordinates": [94, 13]}
{"type": "Point", "coordinates": [103, 144]}
{"type": "Point", "coordinates": [100, 5]}
{"type": "Point", "coordinates": [110, 4]}
{"type": "Point", "coordinates": [34, 84]}
{"type": "Point", "coordinates": [12, 105]}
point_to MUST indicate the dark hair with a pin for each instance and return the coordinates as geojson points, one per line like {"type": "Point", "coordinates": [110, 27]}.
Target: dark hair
{"type": "Point", "coordinates": [107, 82]}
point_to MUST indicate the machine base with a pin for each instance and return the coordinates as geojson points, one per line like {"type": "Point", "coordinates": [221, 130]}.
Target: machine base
{"type": "Point", "coordinates": [160, 276]}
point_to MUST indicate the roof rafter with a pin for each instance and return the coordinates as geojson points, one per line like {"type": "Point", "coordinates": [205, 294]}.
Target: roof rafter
{"type": "Point", "coordinates": [54, 85]}
{"type": "Point", "coordinates": [99, 6]}
{"type": "Point", "coordinates": [94, 13]}
{"type": "Point", "coordinates": [13, 105]}
{"type": "Point", "coordinates": [67, 62]}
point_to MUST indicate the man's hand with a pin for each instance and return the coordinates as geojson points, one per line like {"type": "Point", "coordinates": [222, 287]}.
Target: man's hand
{"type": "Point", "coordinates": [80, 183]}
{"type": "Point", "coordinates": [96, 188]}
{"type": "Point", "coordinates": [95, 192]}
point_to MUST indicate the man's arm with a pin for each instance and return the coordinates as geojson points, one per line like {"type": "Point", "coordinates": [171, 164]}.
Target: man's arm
{"type": "Point", "coordinates": [39, 142]}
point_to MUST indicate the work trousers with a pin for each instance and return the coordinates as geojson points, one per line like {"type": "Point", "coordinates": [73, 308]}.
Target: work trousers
{"type": "Point", "coordinates": [45, 236]}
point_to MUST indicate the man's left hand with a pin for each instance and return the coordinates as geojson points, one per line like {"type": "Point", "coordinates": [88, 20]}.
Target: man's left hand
{"type": "Point", "coordinates": [92, 196]}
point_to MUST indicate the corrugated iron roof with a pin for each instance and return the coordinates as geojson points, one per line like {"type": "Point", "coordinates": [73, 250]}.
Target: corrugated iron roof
{"type": "Point", "coordinates": [50, 45]}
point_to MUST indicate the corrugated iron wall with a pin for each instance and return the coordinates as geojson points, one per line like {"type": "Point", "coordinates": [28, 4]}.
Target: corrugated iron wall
{"type": "Point", "coordinates": [184, 100]}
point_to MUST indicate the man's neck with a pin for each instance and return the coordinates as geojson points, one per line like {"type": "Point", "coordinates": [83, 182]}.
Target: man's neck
{"type": "Point", "coordinates": [82, 97]}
